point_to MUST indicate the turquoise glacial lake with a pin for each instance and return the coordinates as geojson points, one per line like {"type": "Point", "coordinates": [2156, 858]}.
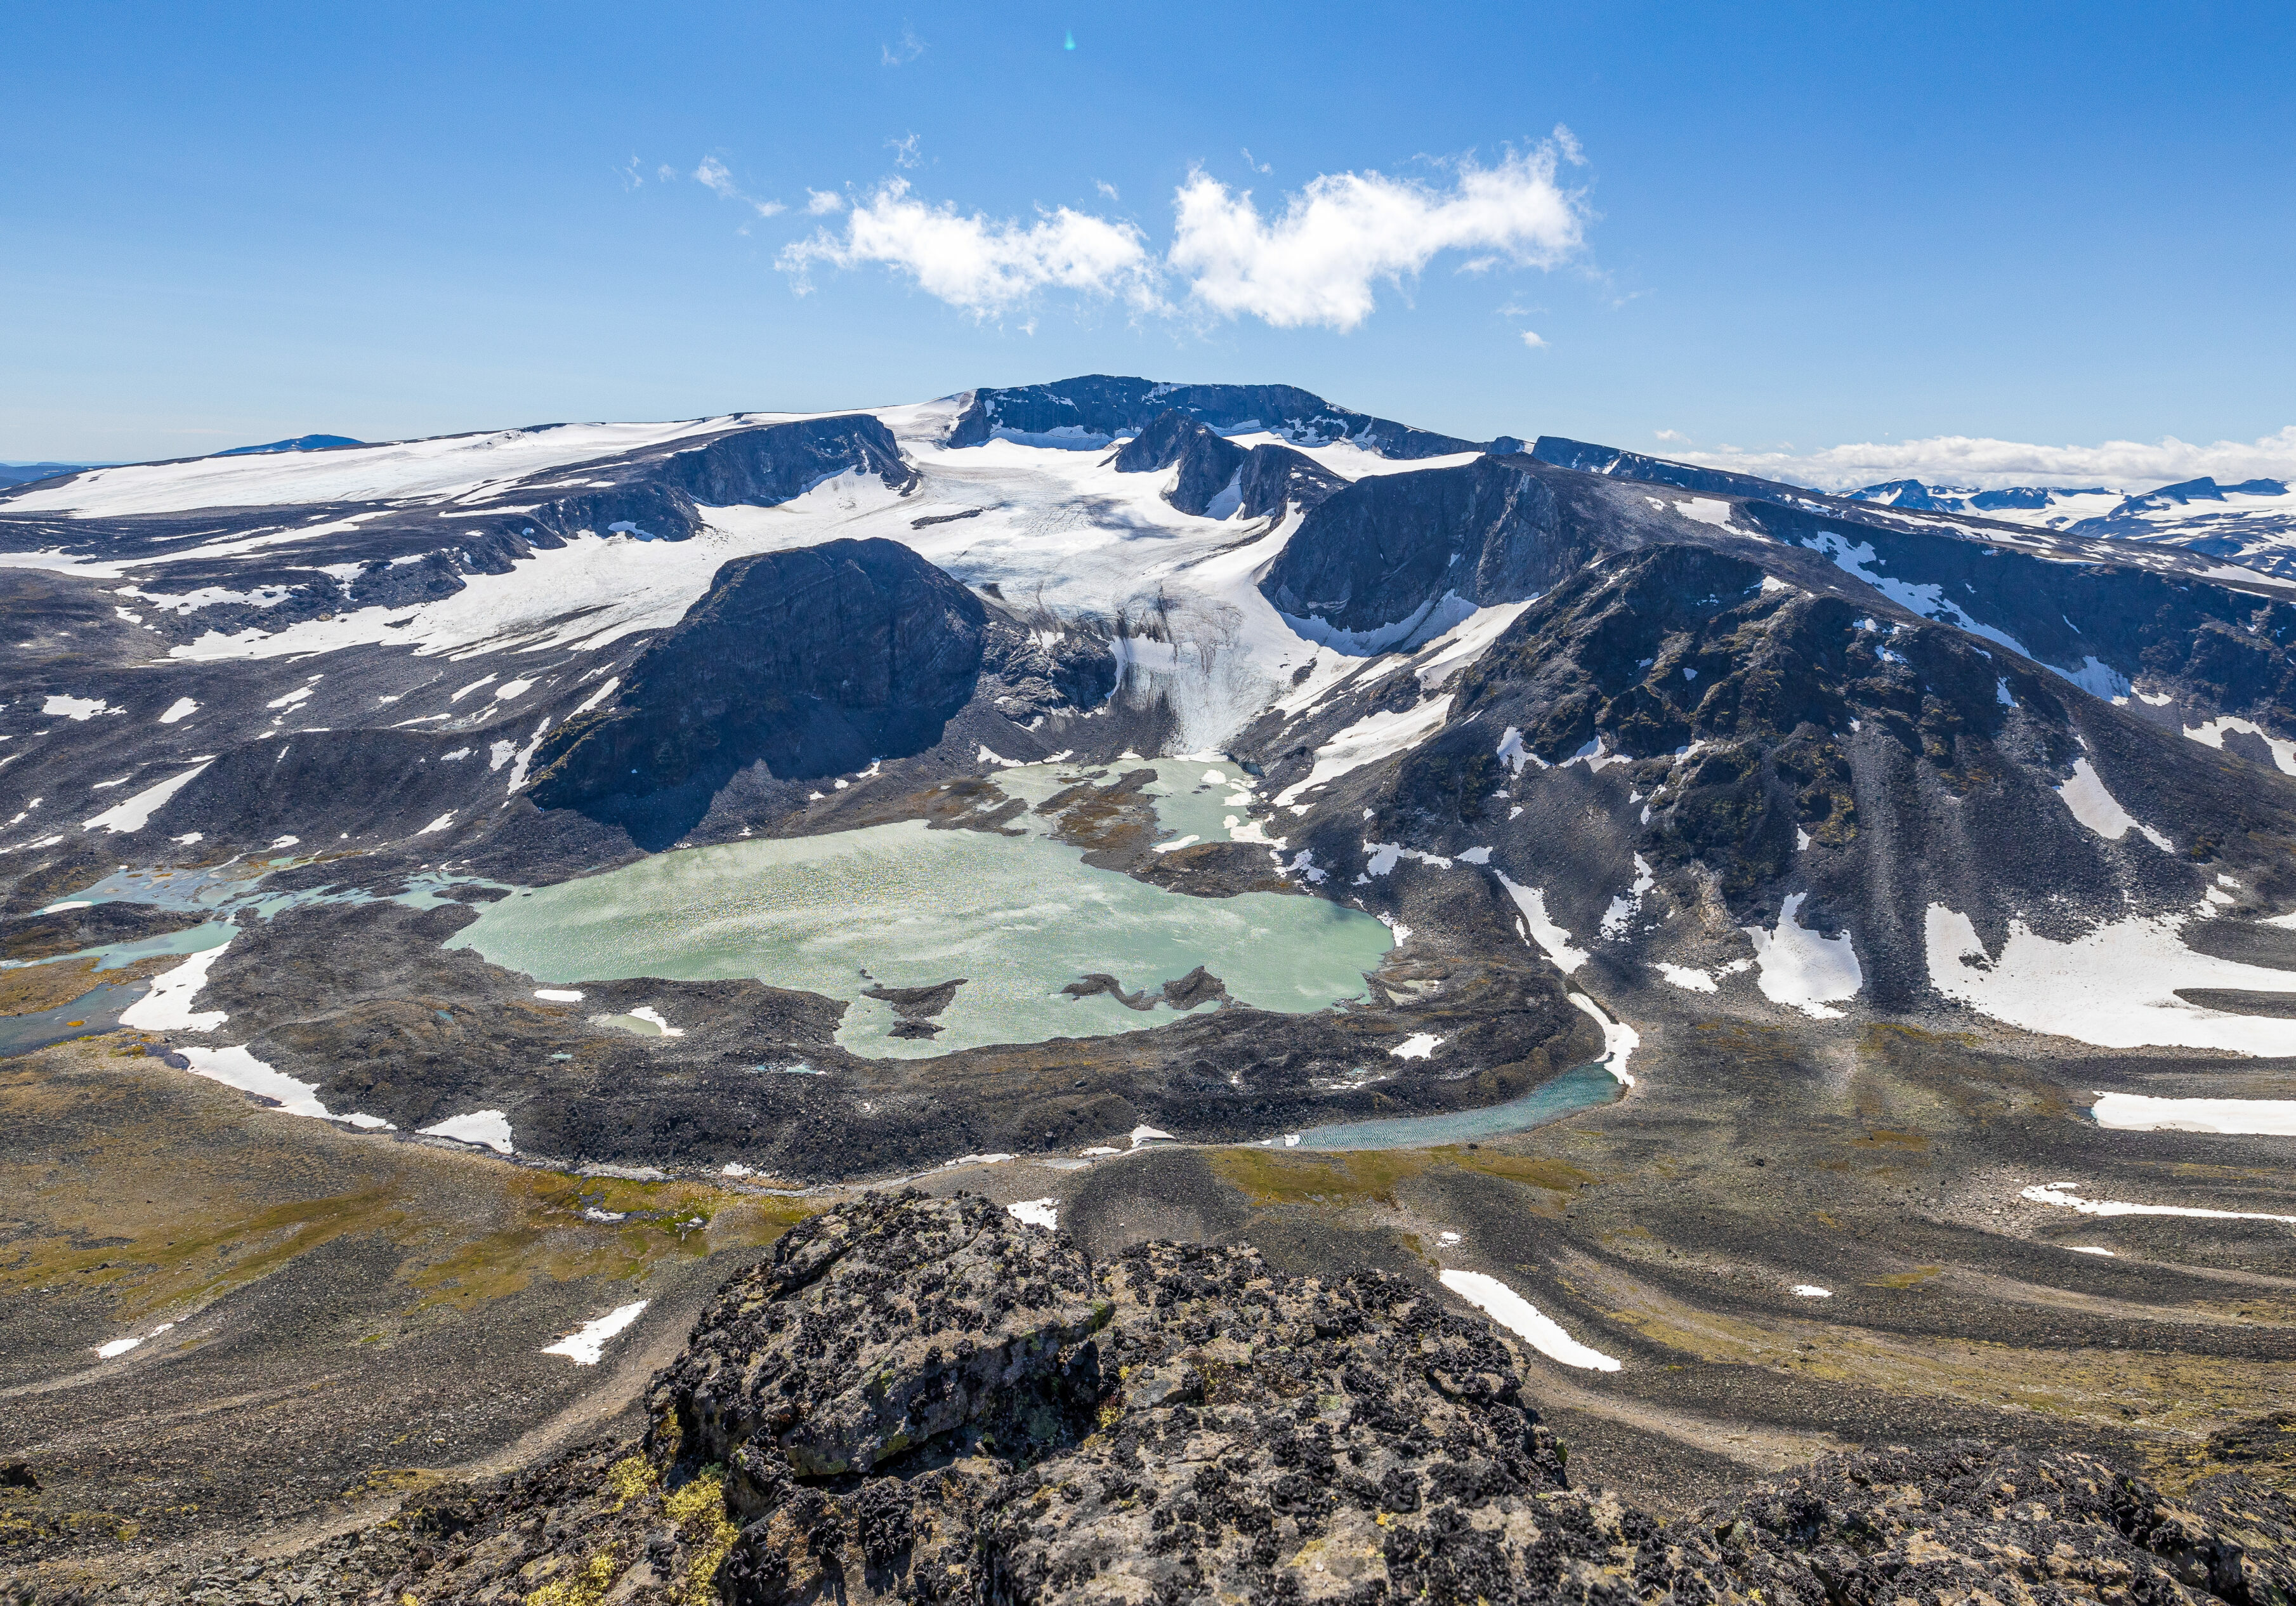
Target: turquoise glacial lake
{"type": "Point", "coordinates": [900, 906]}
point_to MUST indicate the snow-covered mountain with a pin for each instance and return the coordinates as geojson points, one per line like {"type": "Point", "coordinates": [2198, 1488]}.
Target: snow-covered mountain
{"type": "Point", "coordinates": [1570, 716]}
{"type": "Point", "coordinates": [2253, 522]}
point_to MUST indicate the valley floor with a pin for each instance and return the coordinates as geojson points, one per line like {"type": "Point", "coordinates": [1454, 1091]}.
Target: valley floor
{"type": "Point", "coordinates": [371, 1313]}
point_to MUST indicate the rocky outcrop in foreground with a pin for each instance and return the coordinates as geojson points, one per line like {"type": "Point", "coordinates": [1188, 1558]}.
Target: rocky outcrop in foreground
{"type": "Point", "coordinates": [924, 1400]}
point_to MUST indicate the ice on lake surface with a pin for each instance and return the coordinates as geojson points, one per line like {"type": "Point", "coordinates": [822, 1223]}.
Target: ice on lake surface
{"type": "Point", "coordinates": [900, 906]}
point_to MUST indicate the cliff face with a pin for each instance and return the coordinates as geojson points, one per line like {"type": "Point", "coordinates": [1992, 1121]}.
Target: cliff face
{"type": "Point", "coordinates": [925, 1400]}
{"type": "Point", "coordinates": [815, 661]}
{"type": "Point", "coordinates": [1107, 406]}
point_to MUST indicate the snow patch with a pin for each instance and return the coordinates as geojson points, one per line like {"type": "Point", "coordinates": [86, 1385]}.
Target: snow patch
{"type": "Point", "coordinates": [1419, 1046]}
{"type": "Point", "coordinates": [1367, 741]}
{"type": "Point", "coordinates": [1525, 1320]}
{"type": "Point", "coordinates": [2211, 733]}
{"type": "Point", "coordinates": [490, 1128]}
{"type": "Point", "coordinates": [1538, 930]}
{"type": "Point", "coordinates": [168, 1006]}
{"type": "Point", "coordinates": [1802, 969]}
{"type": "Point", "coordinates": [133, 813]}
{"type": "Point", "coordinates": [1044, 1213]}
{"type": "Point", "coordinates": [587, 1342]}
{"type": "Point", "coordinates": [2056, 1195]}
{"type": "Point", "coordinates": [2141, 1112]}
{"type": "Point", "coordinates": [2114, 986]}
{"type": "Point", "coordinates": [1619, 1040]}
{"type": "Point", "coordinates": [2096, 807]}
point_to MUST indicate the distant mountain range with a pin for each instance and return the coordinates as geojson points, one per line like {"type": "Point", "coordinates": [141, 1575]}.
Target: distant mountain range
{"type": "Point", "coordinates": [2253, 522]}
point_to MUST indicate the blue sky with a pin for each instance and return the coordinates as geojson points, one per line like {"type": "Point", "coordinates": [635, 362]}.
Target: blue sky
{"type": "Point", "coordinates": [1789, 227]}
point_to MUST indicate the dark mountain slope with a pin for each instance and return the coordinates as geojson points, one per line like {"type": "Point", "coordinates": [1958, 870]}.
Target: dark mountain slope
{"type": "Point", "coordinates": [1265, 480]}
{"type": "Point", "coordinates": [1383, 552]}
{"type": "Point", "coordinates": [1103, 405]}
{"type": "Point", "coordinates": [814, 661]}
{"type": "Point", "coordinates": [1670, 746]}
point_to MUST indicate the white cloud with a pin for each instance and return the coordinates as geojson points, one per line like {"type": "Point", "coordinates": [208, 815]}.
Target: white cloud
{"type": "Point", "coordinates": [632, 178]}
{"type": "Point", "coordinates": [1670, 435]}
{"type": "Point", "coordinates": [981, 265]}
{"type": "Point", "coordinates": [1533, 338]}
{"type": "Point", "coordinates": [665, 172]}
{"type": "Point", "coordinates": [1988, 465]}
{"type": "Point", "coordinates": [907, 48]}
{"type": "Point", "coordinates": [1257, 167]}
{"type": "Point", "coordinates": [715, 175]}
{"type": "Point", "coordinates": [1318, 261]}
{"type": "Point", "coordinates": [903, 150]}
{"type": "Point", "coordinates": [1105, 188]}
{"type": "Point", "coordinates": [820, 201]}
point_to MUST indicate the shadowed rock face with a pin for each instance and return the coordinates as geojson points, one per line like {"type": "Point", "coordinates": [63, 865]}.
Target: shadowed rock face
{"type": "Point", "coordinates": [815, 661]}
{"type": "Point", "coordinates": [1276, 475]}
{"type": "Point", "coordinates": [1388, 545]}
{"type": "Point", "coordinates": [1106, 406]}
{"type": "Point", "coordinates": [1208, 465]}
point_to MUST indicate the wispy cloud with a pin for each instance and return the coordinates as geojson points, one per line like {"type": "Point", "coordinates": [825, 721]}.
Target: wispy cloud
{"type": "Point", "coordinates": [980, 265]}
{"type": "Point", "coordinates": [1320, 260]}
{"type": "Point", "coordinates": [904, 50]}
{"type": "Point", "coordinates": [717, 176]}
{"type": "Point", "coordinates": [1669, 435]}
{"type": "Point", "coordinates": [632, 179]}
{"type": "Point", "coordinates": [904, 150]}
{"type": "Point", "coordinates": [1989, 464]}
{"type": "Point", "coordinates": [1533, 338]}
{"type": "Point", "coordinates": [1257, 167]}
{"type": "Point", "coordinates": [1106, 188]}
{"type": "Point", "coordinates": [820, 202]}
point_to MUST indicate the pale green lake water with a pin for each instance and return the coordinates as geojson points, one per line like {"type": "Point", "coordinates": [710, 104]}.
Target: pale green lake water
{"type": "Point", "coordinates": [900, 906]}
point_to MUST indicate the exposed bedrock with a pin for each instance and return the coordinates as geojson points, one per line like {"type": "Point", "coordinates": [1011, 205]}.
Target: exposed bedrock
{"type": "Point", "coordinates": [661, 491]}
{"type": "Point", "coordinates": [1376, 557]}
{"type": "Point", "coordinates": [1097, 408]}
{"type": "Point", "coordinates": [1715, 745]}
{"type": "Point", "coordinates": [815, 661]}
{"type": "Point", "coordinates": [925, 1400]}
{"type": "Point", "coordinates": [1263, 481]}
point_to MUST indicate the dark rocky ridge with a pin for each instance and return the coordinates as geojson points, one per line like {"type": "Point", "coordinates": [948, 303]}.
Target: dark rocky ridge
{"type": "Point", "coordinates": [1385, 550]}
{"type": "Point", "coordinates": [924, 1401]}
{"type": "Point", "coordinates": [813, 661]}
{"type": "Point", "coordinates": [1104, 405]}
{"type": "Point", "coordinates": [1759, 740]}
{"type": "Point", "coordinates": [1265, 479]}
{"type": "Point", "coordinates": [404, 555]}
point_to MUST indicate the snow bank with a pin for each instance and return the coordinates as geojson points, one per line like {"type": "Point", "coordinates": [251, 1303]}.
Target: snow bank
{"type": "Point", "coordinates": [2056, 1195]}
{"type": "Point", "coordinates": [2141, 1112]}
{"type": "Point", "coordinates": [1419, 1046]}
{"type": "Point", "coordinates": [1367, 741]}
{"type": "Point", "coordinates": [2211, 733]}
{"type": "Point", "coordinates": [490, 1127]}
{"type": "Point", "coordinates": [1550, 938]}
{"type": "Point", "coordinates": [133, 813]}
{"type": "Point", "coordinates": [1619, 1040]}
{"type": "Point", "coordinates": [1512, 1311]}
{"type": "Point", "coordinates": [1044, 1213]}
{"type": "Point", "coordinates": [2114, 986]}
{"type": "Point", "coordinates": [235, 1066]}
{"type": "Point", "coordinates": [587, 1342]}
{"type": "Point", "coordinates": [168, 1006]}
{"type": "Point", "coordinates": [1800, 968]}
{"type": "Point", "coordinates": [2097, 809]}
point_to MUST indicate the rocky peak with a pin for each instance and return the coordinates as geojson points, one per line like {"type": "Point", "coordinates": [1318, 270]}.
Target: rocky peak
{"type": "Point", "coordinates": [815, 661]}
